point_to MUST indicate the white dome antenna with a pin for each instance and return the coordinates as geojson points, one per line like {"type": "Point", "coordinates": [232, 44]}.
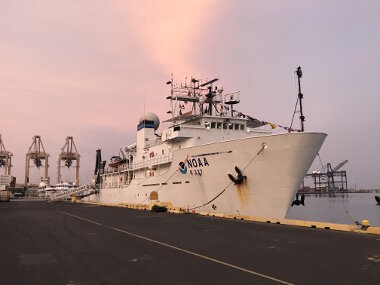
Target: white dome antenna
{"type": "Point", "coordinates": [151, 117]}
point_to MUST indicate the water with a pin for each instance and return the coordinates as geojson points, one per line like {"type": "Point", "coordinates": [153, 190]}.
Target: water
{"type": "Point", "coordinates": [361, 206]}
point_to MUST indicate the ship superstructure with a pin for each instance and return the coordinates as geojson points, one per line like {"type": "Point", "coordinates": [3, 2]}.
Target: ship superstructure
{"type": "Point", "coordinates": [210, 157]}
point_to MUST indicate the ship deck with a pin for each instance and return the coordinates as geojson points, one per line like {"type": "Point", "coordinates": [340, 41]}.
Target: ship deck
{"type": "Point", "coordinates": [64, 243]}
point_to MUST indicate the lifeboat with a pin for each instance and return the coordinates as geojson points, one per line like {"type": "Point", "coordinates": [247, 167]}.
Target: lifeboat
{"type": "Point", "coordinates": [116, 161]}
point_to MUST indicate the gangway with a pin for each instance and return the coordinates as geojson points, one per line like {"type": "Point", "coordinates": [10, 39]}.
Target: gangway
{"type": "Point", "coordinates": [68, 193]}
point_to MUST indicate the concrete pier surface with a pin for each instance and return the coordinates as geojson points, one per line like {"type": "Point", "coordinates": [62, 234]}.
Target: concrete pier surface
{"type": "Point", "coordinates": [63, 243]}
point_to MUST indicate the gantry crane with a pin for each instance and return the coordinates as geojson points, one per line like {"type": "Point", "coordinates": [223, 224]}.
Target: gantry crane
{"type": "Point", "coordinates": [37, 153]}
{"type": "Point", "coordinates": [68, 154]}
{"type": "Point", "coordinates": [336, 184]}
{"type": "Point", "coordinates": [5, 158]}
{"type": "Point", "coordinates": [331, 179]}
{"type": "Point", "coordinates": [339, 166]}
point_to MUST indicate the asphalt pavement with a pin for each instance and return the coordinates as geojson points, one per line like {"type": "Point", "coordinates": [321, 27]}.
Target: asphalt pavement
{"type": "Point", "coordinates": [64, 243]}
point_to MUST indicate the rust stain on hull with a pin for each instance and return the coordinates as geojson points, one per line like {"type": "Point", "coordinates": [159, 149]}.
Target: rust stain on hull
{"type": "Point", "coordinates": [243, 193]}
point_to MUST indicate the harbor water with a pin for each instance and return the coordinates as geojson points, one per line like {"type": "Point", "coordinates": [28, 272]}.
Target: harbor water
{"type": "Point", "coordinates": [342, 209]}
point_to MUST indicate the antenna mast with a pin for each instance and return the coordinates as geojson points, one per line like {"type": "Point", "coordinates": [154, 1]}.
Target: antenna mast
{"type": "Point", "coordinates": [300, 97]}
{"type": "Point", "coordinates": [170, 82]}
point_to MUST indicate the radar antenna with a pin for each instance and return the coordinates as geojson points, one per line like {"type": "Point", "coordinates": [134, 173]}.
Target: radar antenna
{"type": "Point", "coordinates": [209, 82]}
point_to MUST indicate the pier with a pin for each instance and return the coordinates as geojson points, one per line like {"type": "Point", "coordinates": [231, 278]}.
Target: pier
{"type": "Point", "coordinates": [69, 243]}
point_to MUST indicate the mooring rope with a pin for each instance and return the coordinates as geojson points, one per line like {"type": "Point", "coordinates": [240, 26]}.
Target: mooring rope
{"type": "Point", "coordinates": [264, 146]}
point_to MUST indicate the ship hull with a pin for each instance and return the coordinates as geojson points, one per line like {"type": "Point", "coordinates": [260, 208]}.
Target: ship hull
{"type": "Point", "coordinates": [273, 167]}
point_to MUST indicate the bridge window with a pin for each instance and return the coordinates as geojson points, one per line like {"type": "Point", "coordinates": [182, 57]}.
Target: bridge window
{"type": "Point", "coordinates": [230, 126]}
{"type": "Point", "coordinates": [236, 126]}
{"type": "Point", "coordinates": [213, 124]}
{"type": "Point", "coordinates": [242, 127]}
{"type": "Point", "coordinates": [207, 125]}
{"type": "Point", "coordinates": [224, 126]}
{"type": "Point", "coordinates": [219, 125]}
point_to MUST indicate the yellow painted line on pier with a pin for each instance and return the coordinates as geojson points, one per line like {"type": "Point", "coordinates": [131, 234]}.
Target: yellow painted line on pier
{"type": "Point", "coordinates": [289, 222]}
{"type": "Point", "coordinates": [374, 230]}
{"type": "Point", "coordinates": [182, 250]}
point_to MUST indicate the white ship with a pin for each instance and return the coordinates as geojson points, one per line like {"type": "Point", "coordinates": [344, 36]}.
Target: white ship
{"type": "Point", "coordinates": [47, 191]}
{"type": "Point", "coordinates": [210, 158]}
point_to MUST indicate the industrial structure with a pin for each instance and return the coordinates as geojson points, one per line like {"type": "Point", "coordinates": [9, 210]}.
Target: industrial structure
{"type": "Point", "coordinates": [330, 180]}
{"type": "Point", "coordinates": [5, 158]}
{"type": "Point", "coordinates": [37, 153]}
{"type": "Point", "coordinates": [69, 154]}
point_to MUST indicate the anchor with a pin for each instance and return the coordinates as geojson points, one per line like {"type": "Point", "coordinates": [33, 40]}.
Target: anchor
{"type": "Point", "coordinates": [239, 179]}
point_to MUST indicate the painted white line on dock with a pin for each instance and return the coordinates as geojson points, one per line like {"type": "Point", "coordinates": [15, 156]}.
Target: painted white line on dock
{"type": "Point", "coordinates": [182, 250]}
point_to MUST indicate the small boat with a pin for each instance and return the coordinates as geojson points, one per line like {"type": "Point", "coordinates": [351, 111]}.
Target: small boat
{"type": "Point", "coordinates": [116, 161]}
{"type": "Point", "coordinates": [46, 191]}
{"type": "Point", "coordinates": [377, 198]}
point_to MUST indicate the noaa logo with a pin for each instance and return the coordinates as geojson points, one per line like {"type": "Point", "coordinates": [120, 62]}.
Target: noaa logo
{"type": "Point", "coordinates": [182, 167]}
{"type": "Point", "coordinates": [195, 166]}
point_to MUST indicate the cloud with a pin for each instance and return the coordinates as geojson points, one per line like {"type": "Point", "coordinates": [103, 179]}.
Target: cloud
{"type": "Point", "coordinates": [169, 31]}
{"type": "Point", "coordinates": [88, 68]}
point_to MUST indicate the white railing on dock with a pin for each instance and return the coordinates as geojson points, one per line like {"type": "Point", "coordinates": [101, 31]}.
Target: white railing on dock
{"type": "Point", "coordinates": [68, 193]}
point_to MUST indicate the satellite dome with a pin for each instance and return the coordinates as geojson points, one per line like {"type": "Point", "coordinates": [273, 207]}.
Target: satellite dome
{"type": "Point", "coordinates": [151, 117]}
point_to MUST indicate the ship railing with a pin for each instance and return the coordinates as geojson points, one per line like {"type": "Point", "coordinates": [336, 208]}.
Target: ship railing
{"type": "Point", "coordinates": [153, 161]}
{"type": "Point", "coordinates": [147, 163]}
{"type": "Point", "coordinates": [153, 143]}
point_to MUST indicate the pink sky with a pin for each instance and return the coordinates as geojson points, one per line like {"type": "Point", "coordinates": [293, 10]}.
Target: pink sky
{"type": "Point", "coordinates": [84, 68]}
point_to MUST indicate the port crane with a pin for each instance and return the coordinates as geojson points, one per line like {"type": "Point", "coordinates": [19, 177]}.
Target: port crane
{"type": "Point", "coordinates": [330, 178]}
{"type": "Point", "coordinates": [69, 153]}
{"type": "Point", "coordinates": [37, 153]}
{"type": "Point", "coordinates": [5, 158]}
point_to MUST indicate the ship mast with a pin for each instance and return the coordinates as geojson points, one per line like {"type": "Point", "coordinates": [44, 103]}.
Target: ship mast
{"type": "Point", "coordinates": [171, 95]}
{"type": "Point", "coordinates": [210, 95]}
{"type": "Point", "coordinates": [197, 93]}
{"type": "Point", "coordinates": [300, 97]}
{"type": "Point", "coordinates": [194, 81]}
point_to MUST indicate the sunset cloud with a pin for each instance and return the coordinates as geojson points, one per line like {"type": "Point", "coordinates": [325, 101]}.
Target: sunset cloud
{"type": "Point", "coordinates": [91, 68]}
{"type": "Point", "coordinates": [170, 31]}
